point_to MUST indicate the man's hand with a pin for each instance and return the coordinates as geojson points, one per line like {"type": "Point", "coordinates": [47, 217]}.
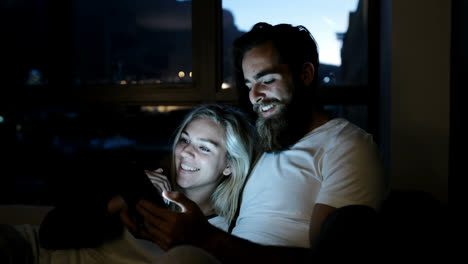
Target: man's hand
{"type": "Point", "coordinates": [169, 228]}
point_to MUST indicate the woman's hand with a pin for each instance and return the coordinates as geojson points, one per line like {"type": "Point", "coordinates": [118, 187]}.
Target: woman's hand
{"type": "Point", "coordinates": [159, 180]}
{"type": "Point", "coordinates": [116, 204]}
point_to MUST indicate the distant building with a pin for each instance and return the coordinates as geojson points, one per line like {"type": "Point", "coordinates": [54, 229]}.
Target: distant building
{"type": "Point", "coordinates": [354, 55]}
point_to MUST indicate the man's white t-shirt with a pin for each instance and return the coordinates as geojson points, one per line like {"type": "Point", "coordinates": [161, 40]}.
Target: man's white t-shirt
{"type": "Point", "coordinates": [336, 164]}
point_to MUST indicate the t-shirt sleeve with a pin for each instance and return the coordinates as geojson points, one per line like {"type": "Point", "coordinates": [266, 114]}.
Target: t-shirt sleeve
{"type": "Point", "coordinates": [352, 172]}
{"type": "Point", "coordinates": [219, 222]}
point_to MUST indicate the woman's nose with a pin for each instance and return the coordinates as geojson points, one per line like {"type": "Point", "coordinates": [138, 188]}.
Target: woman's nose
{"type": "Point", "coordinates": [187, 151]}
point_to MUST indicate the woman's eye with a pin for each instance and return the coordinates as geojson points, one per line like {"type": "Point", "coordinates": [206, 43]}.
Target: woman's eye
{"type": "Point", "coordinates": [204, 149]}
{"type": "Point", "coordinates": [183, 140]}
{"type": "Point", "coordinates": [269, 81]}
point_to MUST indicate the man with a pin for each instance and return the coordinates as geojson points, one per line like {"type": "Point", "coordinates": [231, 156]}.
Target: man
{"type": "Point", "coordinates": [309, 166]}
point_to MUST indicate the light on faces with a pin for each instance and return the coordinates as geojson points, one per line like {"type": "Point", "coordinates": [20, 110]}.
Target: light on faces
{"type": "Point", "coordinates": [265, 77]}
{"type": "Point", "coordinates": [200, 154]}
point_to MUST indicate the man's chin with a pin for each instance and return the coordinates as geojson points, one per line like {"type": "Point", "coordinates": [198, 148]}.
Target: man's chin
{"type": "Point", "coordinates": [269, 132]}
{"type": "Point", "coordinates": [279, 131]}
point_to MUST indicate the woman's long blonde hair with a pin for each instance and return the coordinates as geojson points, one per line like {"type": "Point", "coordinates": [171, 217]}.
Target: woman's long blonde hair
{"type": "Point", "coordinates": [239, 153]}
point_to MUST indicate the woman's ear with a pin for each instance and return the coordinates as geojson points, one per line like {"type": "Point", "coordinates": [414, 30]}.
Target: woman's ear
{"type": "Point", "coordinates": [308, 73]}
{"type": "Point", "coordinates": [227, 171]}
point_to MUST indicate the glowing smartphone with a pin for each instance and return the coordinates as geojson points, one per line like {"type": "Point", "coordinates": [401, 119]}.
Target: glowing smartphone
{"type": "Point", "coordinates": [136, 186]}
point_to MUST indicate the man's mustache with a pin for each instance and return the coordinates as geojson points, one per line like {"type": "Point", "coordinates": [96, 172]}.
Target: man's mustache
{"type": "Point", "coordinates": [273, 101]}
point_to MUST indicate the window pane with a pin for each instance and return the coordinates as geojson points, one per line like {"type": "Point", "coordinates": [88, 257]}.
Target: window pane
{"type": "Point", "coordinates": [342, 49]}
{"type": "Point", "coordinates": [114, 41]}
{"type": "Point", "coordinates": [358, 114]}
{"type": "Point", "coordinates": [123, 42]}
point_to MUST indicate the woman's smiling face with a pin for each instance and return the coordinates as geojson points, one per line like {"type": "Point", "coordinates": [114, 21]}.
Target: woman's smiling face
{"type": "Point", "coordinates": [200, 155]}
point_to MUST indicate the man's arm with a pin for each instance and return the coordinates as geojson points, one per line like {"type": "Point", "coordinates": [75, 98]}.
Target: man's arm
{"type": "Point", "coordinates": [168, 229]}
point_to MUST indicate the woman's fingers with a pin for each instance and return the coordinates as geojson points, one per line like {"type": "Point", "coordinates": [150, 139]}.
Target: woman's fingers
{"type": "Point", "coordinates": [159, 180]}
{"type": "Point", "coordinates": [162, 184]}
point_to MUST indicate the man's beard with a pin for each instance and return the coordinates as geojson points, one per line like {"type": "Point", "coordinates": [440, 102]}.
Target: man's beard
{"type": "Point", "coordinates": [281, 130]}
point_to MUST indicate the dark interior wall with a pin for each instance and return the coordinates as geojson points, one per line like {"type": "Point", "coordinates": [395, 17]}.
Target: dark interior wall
{"type": "Point", "coordinates": [420, 96]}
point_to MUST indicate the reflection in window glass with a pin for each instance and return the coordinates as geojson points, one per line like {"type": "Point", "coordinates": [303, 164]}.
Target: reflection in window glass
{"type": "Point", "coordinates": [132, 42]}
{"type": "Point", "coordinates": [339, 27]}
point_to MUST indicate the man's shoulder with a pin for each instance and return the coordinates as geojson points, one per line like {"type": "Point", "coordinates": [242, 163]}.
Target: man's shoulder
{"type": "Point", "coordinates": [337, 131]}
{"type": "Point", "coordinates": [333, 128]}
{"type": "Point", "coordinates": [343, 129]}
